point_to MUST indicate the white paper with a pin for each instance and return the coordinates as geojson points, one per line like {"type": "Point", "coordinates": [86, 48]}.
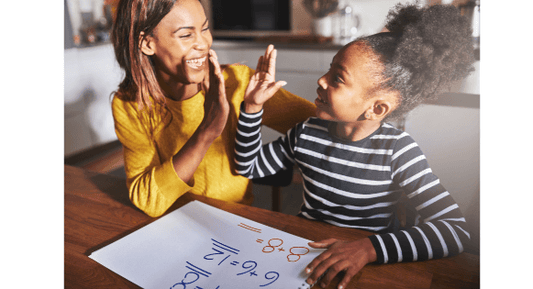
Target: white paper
{"type": "Point", "coordinates": [202, 247]}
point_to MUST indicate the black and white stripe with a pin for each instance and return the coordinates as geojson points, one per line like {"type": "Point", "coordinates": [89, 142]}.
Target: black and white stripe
{"type": "Point", "coordinates": [358, 185]}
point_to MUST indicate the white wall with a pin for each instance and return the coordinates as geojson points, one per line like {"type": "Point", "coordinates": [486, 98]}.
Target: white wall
{"type": "Point", "coordinates": [450, 138]}
{"type": "Point", "coordinates": [91, 75]}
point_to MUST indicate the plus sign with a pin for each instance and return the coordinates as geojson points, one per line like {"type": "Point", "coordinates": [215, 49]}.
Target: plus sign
{"type": "Point", "coordinates": [253, 273]}
{"type": "Point", "coordinates": [281, 249]}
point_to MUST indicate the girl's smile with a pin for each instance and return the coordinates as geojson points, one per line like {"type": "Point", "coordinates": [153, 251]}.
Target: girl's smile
{"type": "Point", "coordinates": [319, 100]}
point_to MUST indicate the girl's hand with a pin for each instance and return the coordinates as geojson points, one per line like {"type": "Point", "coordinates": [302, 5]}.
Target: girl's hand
{"type": "Point", "coordinates": [216, 106]}
{"type": "Point", "coordinates": [348, 256]}
{"type": "Point", "coordinates": [263, 83]}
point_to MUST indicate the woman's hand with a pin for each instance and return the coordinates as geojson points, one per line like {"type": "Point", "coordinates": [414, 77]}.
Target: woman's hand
{"type": "Point", "coordinates": [216, 106]}
{"type": "Point", "coordinates": [348, 256]}
{"type": "Point", "coordinates": [216, 111]}
{"type": "Point", "coordinates": [263, 83]}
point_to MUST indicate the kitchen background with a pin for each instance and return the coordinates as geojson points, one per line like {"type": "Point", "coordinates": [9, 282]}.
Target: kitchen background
{"type": "Point", "coordinates": [305, 51]}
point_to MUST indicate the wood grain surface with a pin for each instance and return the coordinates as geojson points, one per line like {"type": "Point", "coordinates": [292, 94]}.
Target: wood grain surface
{"type": "Point", "coordinates": [98, 212]}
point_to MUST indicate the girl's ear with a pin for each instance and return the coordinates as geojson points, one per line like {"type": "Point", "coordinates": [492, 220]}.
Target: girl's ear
{"type": "Point", "coordinates": [146, 44]}
{"type": "Point", "coordinates": [382, 106]}
{"type": "Point", "coordinates": [379, 109]}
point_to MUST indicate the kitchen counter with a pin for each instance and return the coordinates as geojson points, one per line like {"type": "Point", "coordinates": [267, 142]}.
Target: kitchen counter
{"type": "Point", "coordinates": [294, 43]}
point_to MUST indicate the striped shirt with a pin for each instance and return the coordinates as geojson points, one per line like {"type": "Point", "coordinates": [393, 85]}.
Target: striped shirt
{"type": "Point", "coordinates": [358, 185]}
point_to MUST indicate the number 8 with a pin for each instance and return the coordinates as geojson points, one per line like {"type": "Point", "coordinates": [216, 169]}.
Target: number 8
{"type": "Point", "coordinates": [294, 254]}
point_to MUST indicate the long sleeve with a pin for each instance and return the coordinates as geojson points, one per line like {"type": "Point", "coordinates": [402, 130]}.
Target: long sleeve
{"type": "Point", "coordinates": [281, 112]}
{"type": "Point", "coordinates": [442, 230]}
{"type": "Point", "coordinates": [358, 184]}
{"type": "Point", "coordinates": [250, 157]}
{"type": "Point", "coordinates": [152, 182]}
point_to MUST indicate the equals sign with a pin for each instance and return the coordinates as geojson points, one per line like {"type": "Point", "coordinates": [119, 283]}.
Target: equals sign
{"type": "Point", "coordinates": [259, 241]}
{"type": "Point", "coordinates": [248, 227]}
{"type": "Point", "coordinates": [234, 263]}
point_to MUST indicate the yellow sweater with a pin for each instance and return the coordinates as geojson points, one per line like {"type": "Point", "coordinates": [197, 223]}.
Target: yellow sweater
{"type": "Point", "coordinates": [152, 182]}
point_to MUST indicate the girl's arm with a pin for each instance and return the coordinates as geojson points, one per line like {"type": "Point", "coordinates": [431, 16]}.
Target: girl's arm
{"type": "Point", "coordinates": [441, 233]}
{"type": "Point", "coordinates": [252, 158]}
{"type": "Point", "coordinates": [442, 230]}
{"type": "Point", "coordinates": [262, 85]}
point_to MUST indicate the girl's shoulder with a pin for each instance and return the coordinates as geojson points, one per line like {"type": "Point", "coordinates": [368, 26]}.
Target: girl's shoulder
{"type": "Point", "coordinates": [391, 137]}
{"type": "Point", "coordinates": [314, 126]}
{"type": "Point", "coordinates": [390, 129]}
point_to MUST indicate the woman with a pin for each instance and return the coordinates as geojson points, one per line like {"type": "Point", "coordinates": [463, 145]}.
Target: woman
{"type": "Point", "coordinates": [176, 110]}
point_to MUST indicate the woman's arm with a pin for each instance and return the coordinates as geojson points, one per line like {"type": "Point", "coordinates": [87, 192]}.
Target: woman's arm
{"type": "Point", "coordinates": [216, 108]}
{"type": "Point", "coordinates": [154, 184]}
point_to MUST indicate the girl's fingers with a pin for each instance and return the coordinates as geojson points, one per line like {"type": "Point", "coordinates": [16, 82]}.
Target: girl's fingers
{"type": "Point", "coordinates": [259, 64]}
{"type": "Point", "coordinates": [319, 259]}
{"type": "Point", "coordinates": [323, 243]}
{"type": "Point", "coordinates": [350, 273]}
{"type": "Point", "coordinates": [332, 271]}
{"type": "Point", "coordinates": [272, 63]}
{"type": "Point", "coordinates": [275, 87]}
{"type": "Point", "coordinates": [324, 266]}
{"type": "Point", "coordinates": [266, 57]}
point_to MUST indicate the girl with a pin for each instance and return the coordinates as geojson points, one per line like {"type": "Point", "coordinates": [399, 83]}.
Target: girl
{"type": "Point", "coordinates": [175, 112]}
{"type": "Point", "coordinates": [355, 166]}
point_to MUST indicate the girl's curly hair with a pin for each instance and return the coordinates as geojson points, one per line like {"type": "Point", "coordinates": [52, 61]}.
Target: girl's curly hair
{"type": "Point", "coordinates": [424, 52]}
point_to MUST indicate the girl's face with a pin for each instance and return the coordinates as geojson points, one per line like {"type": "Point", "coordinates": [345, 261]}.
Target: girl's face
{"type": "Point", "coordinates": [342, 91]}
{"type": "Point", "coordinates": [181, 43]}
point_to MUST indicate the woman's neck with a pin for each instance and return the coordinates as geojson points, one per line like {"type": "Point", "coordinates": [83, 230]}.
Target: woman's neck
{"type": "Point", "coordinates": [178, 90]}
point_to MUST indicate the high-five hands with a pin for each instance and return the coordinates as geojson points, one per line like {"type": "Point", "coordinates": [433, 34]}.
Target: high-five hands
{"type": "Point", "coordinates": [216, 106]}
{"type": "Point", "coordinates": [347, 256]}
{"type": "Point", "coordinates": [263, 83]}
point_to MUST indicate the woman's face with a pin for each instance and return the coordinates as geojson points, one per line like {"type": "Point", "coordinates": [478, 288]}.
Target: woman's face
{"type": "Point", "coordinates": [180, 43]}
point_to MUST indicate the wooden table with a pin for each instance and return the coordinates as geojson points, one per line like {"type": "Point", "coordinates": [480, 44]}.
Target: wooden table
{"type": "Point", "coordinates": [98, 212]}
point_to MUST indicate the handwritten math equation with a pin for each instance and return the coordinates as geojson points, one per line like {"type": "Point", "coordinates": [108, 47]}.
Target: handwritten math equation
{"type": "Point", "coordinates": [225, 255]}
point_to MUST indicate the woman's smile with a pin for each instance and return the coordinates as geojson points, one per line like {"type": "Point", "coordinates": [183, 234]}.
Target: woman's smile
{"type": "Point", "coordinates": [196, 63]}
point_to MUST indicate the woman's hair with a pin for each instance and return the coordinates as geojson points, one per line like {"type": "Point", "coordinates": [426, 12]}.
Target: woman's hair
{"type": "Point", "coordinates": [132, 18]}
{"type": "Point", "coordinates": [424, 52]}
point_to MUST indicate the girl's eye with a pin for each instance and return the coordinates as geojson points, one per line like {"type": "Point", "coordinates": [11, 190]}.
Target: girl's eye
{"type": "Point", "coordinates": [186, 35]}
{"type": "Point", "coordinates": [205, 29]}
{"type": "Point", "coordinates": [338, 79]}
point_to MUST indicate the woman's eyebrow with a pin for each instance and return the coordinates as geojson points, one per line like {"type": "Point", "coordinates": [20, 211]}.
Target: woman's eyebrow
{"type": "Point", "coordinates": [189, 27]}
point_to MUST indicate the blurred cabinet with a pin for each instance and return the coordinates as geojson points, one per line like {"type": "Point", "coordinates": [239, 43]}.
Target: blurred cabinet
{"type": "Point", "coordinates": [301, 68]}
